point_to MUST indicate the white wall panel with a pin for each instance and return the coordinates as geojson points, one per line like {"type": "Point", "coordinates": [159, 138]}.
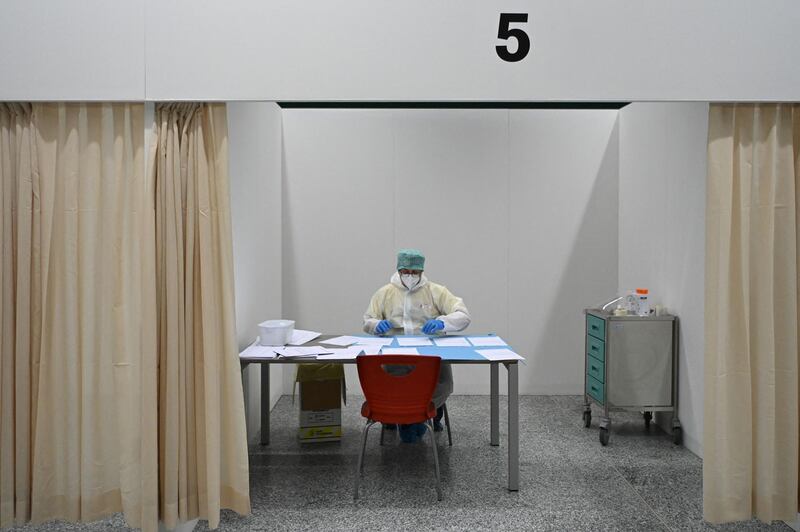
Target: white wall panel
{"type": "Point", "coordinates": [662, 230]}
{"type": "Point", "coordinates": [338, 217]}
{"type": "Point", "coordinates": [87, 50]}
{"type": "Point", "coordinates": [254, 130]}
{"type": "Point", "coordinates": [452, 196]}
{"type": "Point", "coordinates": [563, 235]}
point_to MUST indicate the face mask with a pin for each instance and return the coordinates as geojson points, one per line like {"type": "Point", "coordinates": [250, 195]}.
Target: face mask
{"type": "Point", "coordinates": [409, 280]}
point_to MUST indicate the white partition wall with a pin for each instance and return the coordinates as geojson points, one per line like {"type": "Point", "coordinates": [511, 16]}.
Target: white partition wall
{"type": "Point", "coordinates": [254, 130]}
{"type": "Point", "coordinates": [662, 174]}
{"type": "Point", "coordinates": [379, 50]}
{"type": "Point", "coordinates": [516, 211]}
{"type": "Point", "coordinates": [338, 217]}
{"type": "Point", "coordinates": [452, 182]}
{"type": "Point", "coordinates": [451, 201]}
{"type": "Point", "coordinates": [623, 50]}
{"type": "Point", "coordinates": [563, 238]}
{"type": "Point", "coordinates": [92, 50]}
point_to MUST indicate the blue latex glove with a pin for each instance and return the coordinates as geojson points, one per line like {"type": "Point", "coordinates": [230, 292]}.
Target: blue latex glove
{"type": "Point", "coordinates": [383, 326]}
{"type": "Point", "coordinates": [431, 326]}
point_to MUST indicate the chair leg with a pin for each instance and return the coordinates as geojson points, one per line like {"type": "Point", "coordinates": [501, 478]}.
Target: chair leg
{"type": "Point", "coordinates": [447, 424]}
{"type": "Point", "coordinates": [435, 461]}
{"type": "Point", "coordinates": [360, 466]}
{"type": "Point", "coordinates": [364, 444]}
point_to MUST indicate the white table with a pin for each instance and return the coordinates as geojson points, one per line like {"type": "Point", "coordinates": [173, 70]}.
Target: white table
{"type": "Point", "coordinates": [460, 355]}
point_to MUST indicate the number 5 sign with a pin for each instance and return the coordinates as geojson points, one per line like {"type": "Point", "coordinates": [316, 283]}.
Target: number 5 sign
{"type": "Point", "coordinates": [505, 32]}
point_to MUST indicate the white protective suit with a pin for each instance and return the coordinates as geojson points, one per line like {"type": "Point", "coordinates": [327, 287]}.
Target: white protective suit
{"type": "Point", "coordinates": [408, 310]}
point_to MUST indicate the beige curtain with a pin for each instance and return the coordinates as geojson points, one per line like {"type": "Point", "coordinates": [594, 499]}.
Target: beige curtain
{"type": "Point", "coordinates": [78, 349]}
{"type": "Point", "coordinates": [202, 441]}
{"type": "Point", "coordinates": [750, 465]}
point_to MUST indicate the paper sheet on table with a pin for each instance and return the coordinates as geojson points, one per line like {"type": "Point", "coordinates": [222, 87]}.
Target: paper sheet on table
{"type": "Point", "coordinates": [418, 341]}
{"type": "Point", "coordinates": [259, 351]}
{"type": "Point", "coordinates": [299, 336]}
{"type": "Point", "coordinates": [455, 341]}
{"type": "Point", "coordinates": [343, 341]}
{"type": "Point", "coordinates": [486, 341]}
{"type": "Point", "coordinates": [496, 355]}
{"type": "Point", "coordinates": [348, 353]}
{"type": "Point", "coordinates": [399, 351]}
{"type": "Point", "coordinates": [302, 352]}
{"type": "Point", "coordinates": [374, 340]}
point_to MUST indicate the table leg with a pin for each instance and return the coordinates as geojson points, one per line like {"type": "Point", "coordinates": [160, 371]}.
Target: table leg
{"type": "Point", "coordinates": [264, 404]}
{"type": "Point", "coordinates": [513, 426]}
{"type": "Point", "coordinates": [244, 381]}
{"type": "Point", "coordinates": [245, 388]}
{"type": "Point", "coordinates": [494, 416]}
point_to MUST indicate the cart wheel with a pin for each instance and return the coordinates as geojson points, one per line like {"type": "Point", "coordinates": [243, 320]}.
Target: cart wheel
{"type": "Point", "coordinates": [648, 417]}
{"type": "Point", "coordinates": [603, 437]}
{"type": "Point", "coordinates": [677, 435]}
{"type": "Point", "coordinates": [587, 418]}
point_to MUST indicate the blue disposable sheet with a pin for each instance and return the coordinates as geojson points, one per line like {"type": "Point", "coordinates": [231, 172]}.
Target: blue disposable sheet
{"type": "Point", "coordinates": [447, 353]}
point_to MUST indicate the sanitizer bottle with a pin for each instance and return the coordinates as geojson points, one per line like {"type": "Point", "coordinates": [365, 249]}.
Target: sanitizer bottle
{"type": "Point", "coordinates": [644, 304]}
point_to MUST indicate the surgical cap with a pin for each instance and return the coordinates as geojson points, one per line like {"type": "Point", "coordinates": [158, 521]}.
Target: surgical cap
{"type": "Point", "coordinates": [410, 259]}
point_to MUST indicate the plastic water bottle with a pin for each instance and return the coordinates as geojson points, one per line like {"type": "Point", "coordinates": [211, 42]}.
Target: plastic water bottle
{"type": "Point", "coordinates": [644, 304]}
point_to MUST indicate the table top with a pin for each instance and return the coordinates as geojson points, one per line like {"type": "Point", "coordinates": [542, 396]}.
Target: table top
{"type": "Point", "coordinates": [453, 355]}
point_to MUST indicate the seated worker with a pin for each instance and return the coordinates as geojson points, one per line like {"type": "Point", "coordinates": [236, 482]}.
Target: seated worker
{"type": "Point", "coordinates": [410, 304]}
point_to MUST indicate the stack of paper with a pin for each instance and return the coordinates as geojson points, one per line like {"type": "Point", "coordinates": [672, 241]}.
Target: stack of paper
{"type": "Point", "coordinates": [300, 337]}
{"type": "Point", "coordinates": [259, 351]}
{"type": "Point", "coordinates": [416, 341]}
{"type": "Point", "coordinates": [487, 341]}
{"type": "Point", "coordinates": [455, 341]}
{"type": "Point", "coordinates": [496, 355]}
{"type": "Point", "coordinates": [399, 351]}
{"type": "Point", "coordinates": [342, 341]}
{"type": "Point", "coordinates": [301, 352]}
{"type": "Point", "coordinates": [347, 353]}
{"type": "Point", "coordinates": [373, 341]}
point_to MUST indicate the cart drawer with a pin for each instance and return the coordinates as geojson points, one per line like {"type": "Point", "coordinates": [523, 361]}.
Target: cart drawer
{"type": "Point", "coordinates": [595, 368]}
{"type": "Point", "coordinates": [596, 389]}
{"type": "Point", "coordinates": [596, 326]}
{"type": "Point", "coordinates": [596, 348]}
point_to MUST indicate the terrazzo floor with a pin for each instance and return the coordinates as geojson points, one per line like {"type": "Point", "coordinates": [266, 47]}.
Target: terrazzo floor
{"type": "Point", "coordinates": [568, 481]}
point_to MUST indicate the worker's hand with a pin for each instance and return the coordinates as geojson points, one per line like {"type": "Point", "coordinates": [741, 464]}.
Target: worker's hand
{"type": "Point", "coordinates": [431, 326]}
{"type": "Point", "coordinates": [383, 326]}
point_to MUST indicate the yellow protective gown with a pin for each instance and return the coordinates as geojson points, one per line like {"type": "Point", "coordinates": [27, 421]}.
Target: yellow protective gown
{"type": "Point", "coordinates": [408, 310]}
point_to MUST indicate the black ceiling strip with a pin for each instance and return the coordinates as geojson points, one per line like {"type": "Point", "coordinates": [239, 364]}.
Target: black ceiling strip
{"type": "Point", "coordinates": [451, 105]}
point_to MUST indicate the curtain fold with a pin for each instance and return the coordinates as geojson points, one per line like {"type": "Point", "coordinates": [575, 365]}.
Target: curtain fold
{"type": "Point", "coordinates": [752, 407]}
{"type": "Point", "coordinates": [203, 463]}
{"type": "Point", "coordinates": [77, 367]}
{"type": "Point", "coordinates": [19, 273]}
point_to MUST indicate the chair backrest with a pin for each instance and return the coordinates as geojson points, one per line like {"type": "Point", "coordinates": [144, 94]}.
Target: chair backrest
{"type": "Point", "coordinates": [398, 398]}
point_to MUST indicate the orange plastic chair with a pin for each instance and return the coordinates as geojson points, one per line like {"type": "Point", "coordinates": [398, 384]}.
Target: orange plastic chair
{"type": "Point", "coordinates": [398, 399]}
